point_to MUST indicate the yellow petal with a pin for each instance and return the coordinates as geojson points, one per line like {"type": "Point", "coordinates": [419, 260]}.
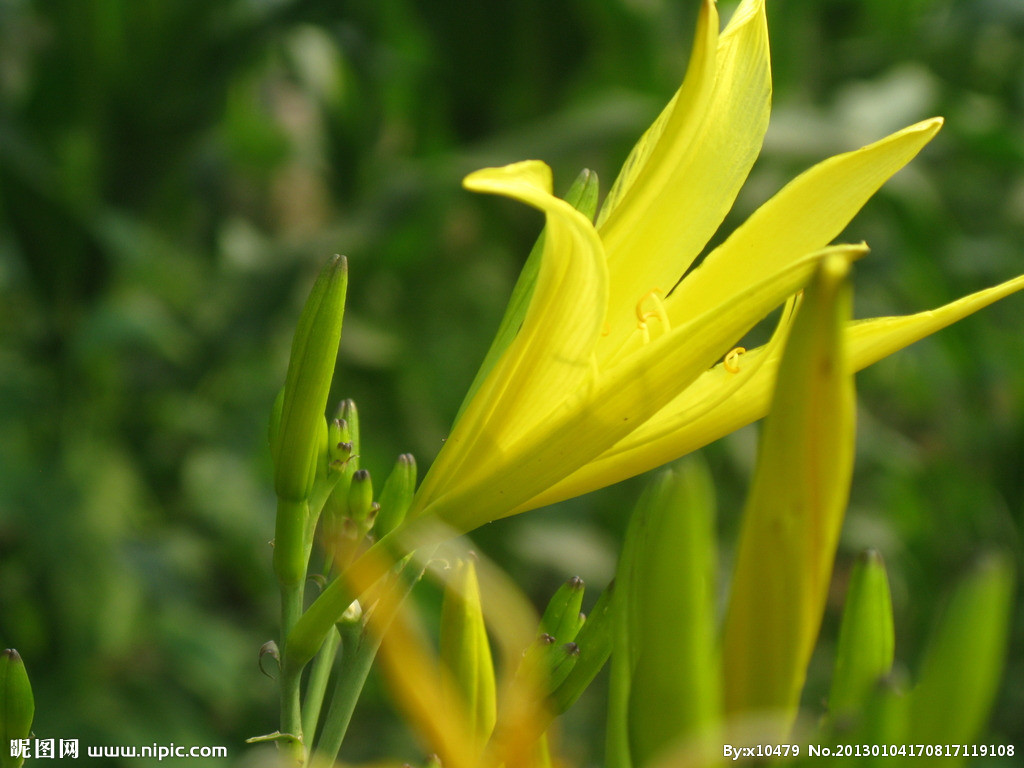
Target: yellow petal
{"type": "Point", "coordinates": [552, 354]}
{"type": "Point", "coordinates": [871, 340]}
{"type": "Point", "coordinates": [803, 217]}
{"type": "Point", "coordinates": [626, 396]}
{"type": "Point", "coordinates": [683, 426]}
{"type": "Point", "coordinates": [679, 118]}
{"type": "Point", "coordinates": [693, 173]}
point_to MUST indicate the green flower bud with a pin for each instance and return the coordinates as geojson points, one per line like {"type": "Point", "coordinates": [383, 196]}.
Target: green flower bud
{"type": "Point", "coordinates": [360, 498]}
{"type": "Point", "coordinates": [562, 618]}
{"type": "Point", "coordinates": [396, 495]}
{"type": "Point", "coordinates": [347, 412]}
{"type": "Point", "coordinates": [339, 445]}
{"type": "Point", "coordinates": [670, 612]}
{"type": "Point", "coordinates": [341, 458]}
{"type": "Point", "coordinates": [466, 652]}
{"type": "Point", "coordinates": [594, 642]}
{"type": "Point", "coordinates": [867, 639]}
{"type": "Point", "coordinates": [962, 668]}
{"type": "Point", "coordinates": [308, 383]}
{"type": "Point", "coordinates": [583, 193]}
{"type": "Point", "coordinates": [17, 706]}
{"type": "Point", "coordinates": [563, 659]}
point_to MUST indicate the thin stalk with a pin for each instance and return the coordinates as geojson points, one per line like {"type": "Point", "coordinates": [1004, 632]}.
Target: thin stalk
{"type": "Point", "coordinates": [359, 645]}
{"type": "Point", "coordinates": [359, 648]}
{"type": "Point", "coordinates": [316, 685]}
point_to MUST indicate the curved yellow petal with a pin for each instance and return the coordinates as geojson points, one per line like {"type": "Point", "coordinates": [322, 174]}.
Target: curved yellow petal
{"type": "Point", "coordinates": [684, 426]}
{"type": "Point", "coordinates": [803, 217]}
{"type": "Point", "coordinates": [553, 352]}
{"type": "Point", "coordinates": [687, 184]}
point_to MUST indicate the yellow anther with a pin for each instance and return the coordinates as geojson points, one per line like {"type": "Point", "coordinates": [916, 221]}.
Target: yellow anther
{"type": "Point", "coordinates": [657, 311]}
{"type": "Point", "coordinates": [731, 359]}
{"type": "Point", "coordinates": [606, 329]}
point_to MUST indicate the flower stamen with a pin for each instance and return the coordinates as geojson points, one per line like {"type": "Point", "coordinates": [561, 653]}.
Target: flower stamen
{"type": "Point", "coordinates": [730, 361]}
{"type": "Point", "coordinates": [657, 311]}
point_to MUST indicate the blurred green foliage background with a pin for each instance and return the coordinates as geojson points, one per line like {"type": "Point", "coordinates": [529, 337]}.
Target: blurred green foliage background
{"type": "Point", "coordinates": [172, 175]}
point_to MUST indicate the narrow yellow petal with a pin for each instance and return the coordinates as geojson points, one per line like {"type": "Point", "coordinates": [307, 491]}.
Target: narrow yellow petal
{"type": "Point", "coordinates": [695, 170]}
{"type": "Point", "coordinates": [679, 118]}
{"type": "Point", "coordinates": [794, 510]}
{"type": "Point", "coordinates": [683, 426]}
{"type": "Point", "coordinates": [871, 340]}
{"type": "Point", "coordinates": [803, 217]}
{"type": "Point", "coordinates": [552, 354]}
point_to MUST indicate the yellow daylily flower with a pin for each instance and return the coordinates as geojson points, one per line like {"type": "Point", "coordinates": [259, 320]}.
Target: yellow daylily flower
{"type": "Point", "coordinates": [615, 367]}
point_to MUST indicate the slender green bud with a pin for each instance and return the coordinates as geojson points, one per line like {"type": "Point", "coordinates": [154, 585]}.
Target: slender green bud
{"type": "Point", "coordinates": [396, 495]}
{"type": "Point", "coordinates": [347, 411]}
{"type": "Point", "coordinates": [537, 660]}
{"type": "Point", "coordinates": [308, 383]}
{"type": "Point", "coordinates": [360, 497]}
{"type": "Point", "coordinates": [563, 659]}
{"type": "Point", "coordinates": [17, 707]}
{"type": "Point", "coordinates": [963, 666]}
{"type": "Point", "coordinates": [341, 456]}
{"type": "Point", "coordinates": [466, 651]}
{"type": "Point", "coordinates": [562, 618]}
{"type": "Point", "coordinates": [794, 510]}
{"type": "Point", "coordinates": [583, 193]}
{"type": "Point", "coordinates": [867, 639]}
{"type": "Point", "coordinates": [594, 641]}
{"type": "Point", "coordinates": [675, 690]}
{"type": "Point", "coordinates": [339, 445]}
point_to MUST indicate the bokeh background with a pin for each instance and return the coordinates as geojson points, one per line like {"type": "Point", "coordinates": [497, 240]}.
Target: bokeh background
{"type": "Point", "coordinates": [173, 174]}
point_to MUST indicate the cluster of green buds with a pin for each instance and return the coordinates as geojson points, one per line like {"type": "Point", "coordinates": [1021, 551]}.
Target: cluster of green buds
{"type": "Point", "coordinates": [317, 475]}
{"type": "Point", "coordinates": [567, 652]}
{"type": "Point", "coordinates": [17, 707]}
{"type": "Point", "coordinates": [571, 647]}
{"type": "Point", "coordinates": [322, 495]}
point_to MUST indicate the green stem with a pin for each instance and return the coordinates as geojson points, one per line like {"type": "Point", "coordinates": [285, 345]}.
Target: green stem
{"type": "Point", "coordinates": [291, 674]}
{"type": "Point", "coordinates": [316, 685]}
{"type": "Point", "coordinates": [359, 648]}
